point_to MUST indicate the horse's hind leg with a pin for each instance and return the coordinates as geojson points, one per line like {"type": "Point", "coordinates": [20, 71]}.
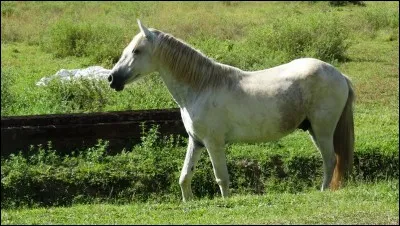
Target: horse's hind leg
{"type": "Point", "coordinates": [322, 134]}
{"type": "Point", "coordinates": [193, 152]}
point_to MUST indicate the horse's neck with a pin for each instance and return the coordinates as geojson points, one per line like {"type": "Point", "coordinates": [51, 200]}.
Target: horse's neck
{"type": "Point", "coordinates": [188, 73]}
{"type": "Point", "coordinates": [182, 93]}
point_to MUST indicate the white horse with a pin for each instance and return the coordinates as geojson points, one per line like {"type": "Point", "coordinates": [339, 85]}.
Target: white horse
{"type": "Point", "coordinates": [221, 104]}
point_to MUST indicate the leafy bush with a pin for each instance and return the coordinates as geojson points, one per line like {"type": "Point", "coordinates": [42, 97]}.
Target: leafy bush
{"type": "Point", "coordinates": [319, 35]}
{"type": "Point", "coordinates": [8, 8]}
{"type": "Point", "coordinates": [280, 42]}
{"type": "Point", "coordinates": [7, 95]}
{"type": "Point", "coordinates": [343, 3]}
{"type": "Point", "coordinates": [78, 95]}
{"type": "Point", "coordinates": [103, 43]}
{"type": "Point", "coordinates": [151, 171]}
{"type": "Point", "coordinates": [380, 18]}
{"type": "Point", "coordinates": [9, 30]}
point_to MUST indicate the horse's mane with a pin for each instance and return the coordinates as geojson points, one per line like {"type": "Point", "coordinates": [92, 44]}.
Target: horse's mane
{"type": "Point", "coordinates": [191, 66]}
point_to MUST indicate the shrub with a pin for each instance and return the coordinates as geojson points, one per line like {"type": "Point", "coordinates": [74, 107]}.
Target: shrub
{"type": "Point", "coordinates": [78, 95]}
{"type": "Point", "coordinates": [224, 51]}
{"type": "Point", "coordinates": [319, 35]}
{"type": "Point", "coordinates": [107, 44]}
{"type": "Point", "coordinates": [10, 32]}
{"type": "Point", "coordinates": [8, 8]}
{"type": "Point", "coordinates": [379, 18]}
{"type": "Point", "coordinates": [7, 96]}
{"type": "Point", "coordinates": [68, 38]}
{"type": "Point", "coordinates": [343, 3]}
{"type": "Point", "coordinates": [103, 43]}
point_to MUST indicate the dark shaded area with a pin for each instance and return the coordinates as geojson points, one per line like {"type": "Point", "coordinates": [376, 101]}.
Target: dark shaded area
{"type": "Point", "coordinates": [344, 3]}
{"type": "Point", "coordinates": [304, 125]}
{"type": "Point", "coordinates": [70, 132]}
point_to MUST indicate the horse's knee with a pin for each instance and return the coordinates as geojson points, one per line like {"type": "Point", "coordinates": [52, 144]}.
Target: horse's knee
{"type": "Point", "coordinates": [222, 182]}
{"type": "Point", "coordinates": [184, 180]}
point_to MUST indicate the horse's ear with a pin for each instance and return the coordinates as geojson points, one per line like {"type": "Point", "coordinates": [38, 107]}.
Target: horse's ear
{"type": "Point", "coordinates": [148, 34]}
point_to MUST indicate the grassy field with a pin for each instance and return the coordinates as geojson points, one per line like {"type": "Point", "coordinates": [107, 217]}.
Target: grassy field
{"type": "Point", "coordinates": [375, 203]}
{"type": "Point", "coordinates": [40, 38]}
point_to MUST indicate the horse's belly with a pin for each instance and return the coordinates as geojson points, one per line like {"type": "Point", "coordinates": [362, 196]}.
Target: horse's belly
{"type": "Point", "coordinates": [240, 118]}
{"type": "Point", "coordinates": [254, 131]}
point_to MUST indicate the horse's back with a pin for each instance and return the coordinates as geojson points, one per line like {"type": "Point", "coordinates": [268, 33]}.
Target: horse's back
{"type": "Point", "coordinates": [312, 77]}
{"type": "Point", "coordinates": [296, 69]}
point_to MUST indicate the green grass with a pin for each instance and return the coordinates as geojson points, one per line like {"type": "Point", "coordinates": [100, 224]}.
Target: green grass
{"type": "Point", "coordinates": [40, 38]}
{"type": "Point", "coordinates": [375, 203]}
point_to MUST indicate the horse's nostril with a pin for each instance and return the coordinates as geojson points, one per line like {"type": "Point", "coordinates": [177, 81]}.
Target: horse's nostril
{"type": "Point", "coordinates": [110, 78]}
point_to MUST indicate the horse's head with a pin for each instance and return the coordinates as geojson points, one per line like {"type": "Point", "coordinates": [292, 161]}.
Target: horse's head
{"type": "Point", "coordinates": [135, 61]}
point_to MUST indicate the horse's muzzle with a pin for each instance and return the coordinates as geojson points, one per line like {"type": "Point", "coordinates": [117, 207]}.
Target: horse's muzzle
{"type": "Point", "coordinates": [114, 84]}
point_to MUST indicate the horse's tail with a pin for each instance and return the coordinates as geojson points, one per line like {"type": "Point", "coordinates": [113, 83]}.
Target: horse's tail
{"type": "Point", "coordinates": [343, 141]}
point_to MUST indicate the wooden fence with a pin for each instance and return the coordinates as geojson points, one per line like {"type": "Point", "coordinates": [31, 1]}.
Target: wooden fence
{"type": "Point", "coordinates": [69, 132]}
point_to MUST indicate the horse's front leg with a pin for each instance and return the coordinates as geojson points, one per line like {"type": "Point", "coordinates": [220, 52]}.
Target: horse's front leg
{"type": "Point", "coordinates": [192, 157]}
{"type": "Point", "coordinates": [216, 150]}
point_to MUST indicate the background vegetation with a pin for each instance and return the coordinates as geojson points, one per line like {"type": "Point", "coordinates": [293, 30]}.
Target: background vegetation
{"type": "Point", "coordinates": [40, 38]}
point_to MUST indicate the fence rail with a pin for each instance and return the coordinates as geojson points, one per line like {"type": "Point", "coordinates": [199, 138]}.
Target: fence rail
{"type": "Point", "coordinates": [69, 132]}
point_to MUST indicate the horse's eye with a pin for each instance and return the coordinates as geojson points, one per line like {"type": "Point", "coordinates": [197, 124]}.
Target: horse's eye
{"type": "Point", "coordinates": [136, 51]}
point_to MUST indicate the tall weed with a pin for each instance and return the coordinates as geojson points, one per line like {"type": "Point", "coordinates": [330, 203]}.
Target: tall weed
{"type": "Point", "coordinates": [319, 35]}
{"type": "Point", "coordinates": [78, 95]}
{"type": "Point", "coordinates": [8, 98]}
{"type": "Point", "coordinates": [101, 42]}
{"type": "Point", "coordinates": [378, 18]}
